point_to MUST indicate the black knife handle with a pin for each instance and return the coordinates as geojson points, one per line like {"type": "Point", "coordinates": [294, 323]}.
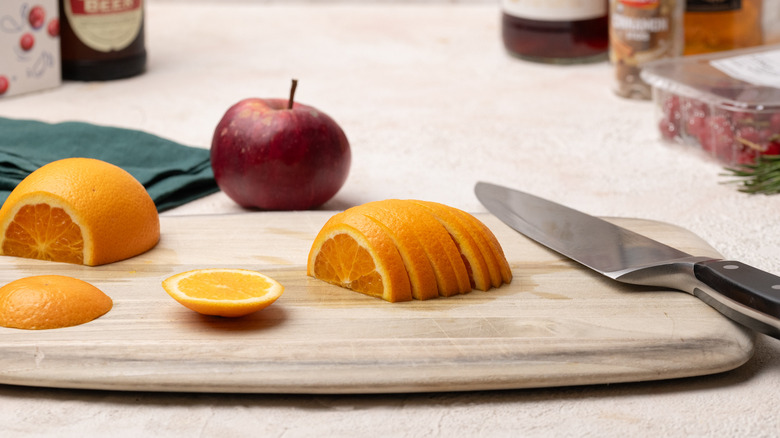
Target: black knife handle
{"type": "Point", "coordinates": [742, 283]}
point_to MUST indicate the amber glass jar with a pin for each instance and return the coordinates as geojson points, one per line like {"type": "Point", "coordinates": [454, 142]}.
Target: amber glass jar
{"type": "Point", "coordinates": [560, 32]}
{"type": "Point", "coordinates": [715, 25]}
{"type": "Point", "coordinates": [102, 40]}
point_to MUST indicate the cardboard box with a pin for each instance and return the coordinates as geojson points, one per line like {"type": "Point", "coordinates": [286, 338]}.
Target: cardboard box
{"type": "Point", "coordinates": [29, 46]}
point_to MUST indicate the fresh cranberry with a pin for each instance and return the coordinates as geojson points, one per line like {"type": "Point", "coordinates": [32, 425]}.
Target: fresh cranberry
{"type": "Point", "coordinates": [744, 118]}
{"type": "Point", "coordinates": [695, 114]}
{"type": "Point", "coordinates": [744, 154]}
{"type": "Point", "coordinates": [751, 134]}
{"type": "Point", "coordinates": [36, 17]}
{"type": "Point", "coordinates": [669, 130]}
{"type": "Point", "coordinates": [696, 126]}
{"type": "Point", "coordinates": [54, 27]}
{"type": "Point", "coordinates": [27, 41]}
{"type": "Point", "coordinates": [773, 148]}
{"type": "Point", "coordinates": [3, 84]}
{"type": "Point", "coordinates": [718, 139]}
{"type": "Point", "coordinates": [670, 122]}
{"type": "Point", "coordinates": [774, 122]}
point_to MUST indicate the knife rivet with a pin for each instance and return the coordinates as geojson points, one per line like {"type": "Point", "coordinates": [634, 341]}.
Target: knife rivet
{"type": "Point", "coordinates": [776, 286]}
{"type": "Point", "coordinates": [730, 267]}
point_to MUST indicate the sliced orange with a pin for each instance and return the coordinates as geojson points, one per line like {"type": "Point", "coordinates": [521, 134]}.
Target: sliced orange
{"type": "Point", "coordinates": [223, 292]}
{"type": "Point", "coordinates": [420, 271]}
{"type": "Point", "coordinates": [50, 301]}
{"type": "Point", "coordinates": [355, 252]}
{"type": "Point", "coordinates": [491, 249]}
{"type": "Point", "coordinates": [462, 233]}
{"type": "Point", "coordinates": [78, 210]}
{"type": "Point", "coordinates": [450, 272]}
{"type": "Point", "coordinates": [440, 250]}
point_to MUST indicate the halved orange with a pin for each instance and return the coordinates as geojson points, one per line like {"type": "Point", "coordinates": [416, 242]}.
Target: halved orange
{"type": "Point", "coordinates": [78, 210]}
{"type": "Point", "coordinates": [222, 291]}
{"type": "Point", "coordinates": [50, 301]}
{"type": "Point", "coordinates": [355, 252]}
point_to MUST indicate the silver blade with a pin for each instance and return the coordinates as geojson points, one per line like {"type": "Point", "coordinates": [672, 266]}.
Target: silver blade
{"type": "Point", "coordinates": [593, 242]}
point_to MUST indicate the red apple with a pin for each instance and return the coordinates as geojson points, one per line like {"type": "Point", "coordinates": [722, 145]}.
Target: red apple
{"type": "Point", "coordinates": [275, 154]}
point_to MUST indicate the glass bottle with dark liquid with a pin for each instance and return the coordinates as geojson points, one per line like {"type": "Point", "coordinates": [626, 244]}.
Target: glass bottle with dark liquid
{"type": "Point", "coordinates": [560, 32]}
{"type": "Point", "coordinates": [102, 39]}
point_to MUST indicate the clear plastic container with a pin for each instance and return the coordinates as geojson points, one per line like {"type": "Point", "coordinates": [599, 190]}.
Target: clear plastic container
{"type": "Point", "coordinates": [733, 117]}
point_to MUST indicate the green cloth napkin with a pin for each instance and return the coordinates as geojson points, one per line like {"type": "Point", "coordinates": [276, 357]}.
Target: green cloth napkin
{"type": "Point", "coordinates": [172, 173]}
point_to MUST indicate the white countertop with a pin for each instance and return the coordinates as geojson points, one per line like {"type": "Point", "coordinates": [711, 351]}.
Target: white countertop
{"type": "Point", "coordinates": [431, 104]}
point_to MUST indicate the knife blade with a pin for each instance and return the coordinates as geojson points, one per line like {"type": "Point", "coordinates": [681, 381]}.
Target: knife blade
{"type": "Point", "coordinates": [741, 292]}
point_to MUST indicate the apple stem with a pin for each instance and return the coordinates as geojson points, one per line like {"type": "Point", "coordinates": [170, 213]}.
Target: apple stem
{"type": "Point", "coordinates": [292, 93]}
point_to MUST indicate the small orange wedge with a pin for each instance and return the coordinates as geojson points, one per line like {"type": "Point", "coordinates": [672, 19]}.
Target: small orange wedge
{"type": "Point", "coordinates": [355, 252]}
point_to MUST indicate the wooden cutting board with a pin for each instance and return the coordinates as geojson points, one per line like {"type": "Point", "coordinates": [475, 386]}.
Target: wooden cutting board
{"type": "Point", "coordinates": [555, 324]}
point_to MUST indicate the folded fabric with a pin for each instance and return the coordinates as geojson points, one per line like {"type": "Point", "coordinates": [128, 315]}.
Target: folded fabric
{"type": "Point", "coordinates": [172, 173]}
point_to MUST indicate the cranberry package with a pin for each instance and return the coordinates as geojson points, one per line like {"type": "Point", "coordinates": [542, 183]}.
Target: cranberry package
{"type": "Point", "coordinates": [29, 46]}
{"type": "Point", "coordinates": [726, 104]}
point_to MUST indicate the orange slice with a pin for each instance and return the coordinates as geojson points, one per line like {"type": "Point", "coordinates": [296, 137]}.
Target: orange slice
{"type": "Point", "coordinates": [421, 272]}
{"type": "Point", "coordinates": [78, 210]}
{"type": "Point", "coordinates": [462, 233]}
{"type": "Point", "coordinates": [450, 271]}
{"type": "Point", "coordinates": [355, 252]}
{"type": "Point", "coordinates": [50, 301]}
{"type": "Point", "coordinates": [223, 292]}
{"type": "Point", "coordinates": [500, 271]}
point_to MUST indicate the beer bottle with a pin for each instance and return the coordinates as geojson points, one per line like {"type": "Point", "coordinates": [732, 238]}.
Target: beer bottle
{"type": "Point", "coordinates": [102, 39]}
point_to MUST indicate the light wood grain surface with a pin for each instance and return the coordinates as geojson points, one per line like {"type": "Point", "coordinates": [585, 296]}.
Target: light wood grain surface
{"type": "Point", "coordinates": [555, 324]}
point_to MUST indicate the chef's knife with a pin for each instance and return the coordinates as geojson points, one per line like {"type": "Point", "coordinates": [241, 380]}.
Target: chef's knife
{"type": "Point", "coordinates": [743, 293]}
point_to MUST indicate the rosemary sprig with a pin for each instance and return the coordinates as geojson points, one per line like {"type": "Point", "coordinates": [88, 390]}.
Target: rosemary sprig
{"type": "Point", "coordinates": [761, 177]}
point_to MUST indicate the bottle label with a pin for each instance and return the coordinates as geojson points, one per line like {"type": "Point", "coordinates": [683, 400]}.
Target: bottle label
{"type": "Point", "coordinates": [105, 25]}
{"type": "Point", "coordinates": [712, 5]}
{"type": "Point", "coordinates": [761, 69]}
{"type": "Point", "coordinates": [555, 10]}
{"type": "Point", "coordinates": [640, 24]}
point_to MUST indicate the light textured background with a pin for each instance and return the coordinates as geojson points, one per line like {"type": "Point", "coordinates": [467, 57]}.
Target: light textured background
{"type": "Point", "coordinates": [431, 104]}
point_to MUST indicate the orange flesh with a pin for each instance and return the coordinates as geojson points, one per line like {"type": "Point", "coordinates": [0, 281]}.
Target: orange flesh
{"type": "Point", "coordinates": [43, 232]}
{"type": "Point", "coordinates": [222, 286]}
{"type": "Point", "coordinates": [344, 262]}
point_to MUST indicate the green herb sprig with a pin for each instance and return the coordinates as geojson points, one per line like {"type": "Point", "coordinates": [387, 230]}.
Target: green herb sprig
{"type": "Point", "coordinates": [761, 177]}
